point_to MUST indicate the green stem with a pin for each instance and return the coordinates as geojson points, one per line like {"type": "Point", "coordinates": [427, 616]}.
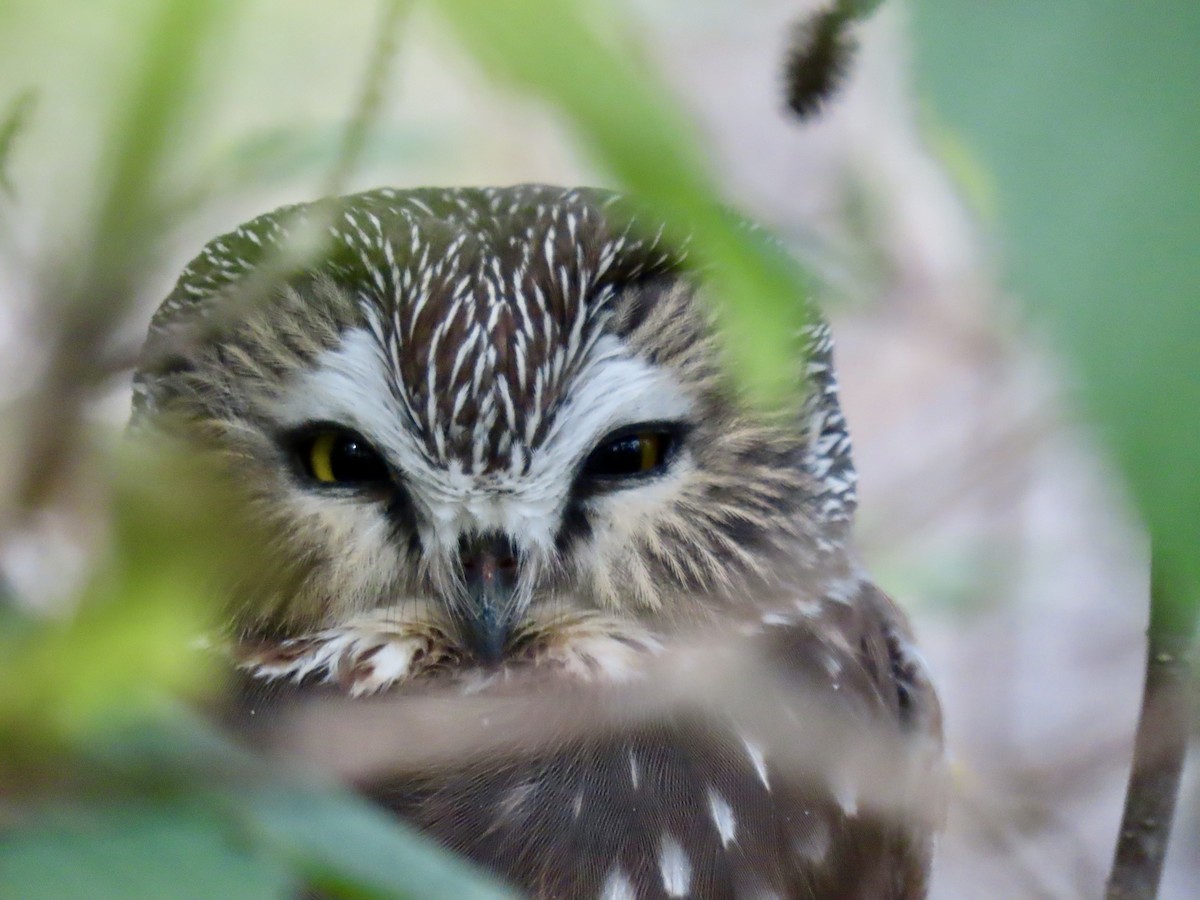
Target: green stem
{"type": "Point", "coordinates": [1160, 744]}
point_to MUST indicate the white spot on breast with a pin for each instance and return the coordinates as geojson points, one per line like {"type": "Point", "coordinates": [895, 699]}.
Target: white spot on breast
{"type": "Point", "coordinates": [617, 886]}
{"type": "Point", "coordinates": [511, 801]}
{"type": "Point", "coordinates": [758, 760]}
{"type": "Point", "coordinates": [832, 665]}
{"type": "Point", "coordinates": [634, 770]}
{"type": "Point", "coordinates": [844, 793]}
{"type": "Point", "coordinates": [577, 805]}
{"type": "Point", "coordinates": [813, 842]}
{"type": "Point", "coordinates": [722, 816]}
{"type": "Point", "coordinates": [675, 866]}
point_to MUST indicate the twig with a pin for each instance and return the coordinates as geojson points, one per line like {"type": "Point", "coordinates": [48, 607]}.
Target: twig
{"type": "Point", "coordinates": [88, 292]}
{"type": "Point", "coordinates": [370, 97]}
{"type": "Point", "coordinates": [1160, 744]}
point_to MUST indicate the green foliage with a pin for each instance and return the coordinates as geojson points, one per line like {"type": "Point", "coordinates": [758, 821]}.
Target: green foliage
{"type": "Point", "coordinates": [121, 796]}
{"type": "Point", "coordinates": [133, 639]}
{"type": "Point", "coordinates": [115, 852]}
{"type": "Point", "coordinates": [12, 123]}
{"type": "Point", "coordinates": [139, 849]}
{"type": "Point", "coordinates": [183, 813]}
{"type": "Point", "coordinates": [1086, 117]}
{"type": "Point", "coordinates": [350, 849]}
{"type": "Point", "coordinates": [104, 792]}
{"type": "Point", "coordinates": [146, 129]}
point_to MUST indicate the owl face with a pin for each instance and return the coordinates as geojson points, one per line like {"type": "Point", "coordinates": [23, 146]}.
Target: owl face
{"type": "Point", "coordinates": [497, 405]}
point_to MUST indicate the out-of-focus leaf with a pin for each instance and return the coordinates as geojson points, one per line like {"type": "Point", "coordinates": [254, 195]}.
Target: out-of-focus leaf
{"type": "Point", "coordinates": [1087, 116]}
{"type": "Point", "coordinates": [110, 663]}
{"type": "Point", "coordinates": [147, 126]}
{"type": "Point", "coordinates": [861, 9]}
{"type": "Point", "coordinates": [323, 834]}
{"type": "Point", "coordinates": [341, 844]}
{"type": "Point", "coordinates": [623, 118]}
{"type": "Point", "coordinates": [15, 118]}
{"type": "Point", "coordinates": [184, 812]}
{"type": "Point", "coordinates": [92, 276]}
{"type": "Point", "coordinates": [133, 638]}
{"type": "Point", "coordinates": [130, 849]}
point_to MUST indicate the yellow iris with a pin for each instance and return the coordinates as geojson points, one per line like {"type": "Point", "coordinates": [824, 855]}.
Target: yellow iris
{"type": "Point", "coordinates": [320, 457]}
{"type": "Point", "coordinates": [649, 444]}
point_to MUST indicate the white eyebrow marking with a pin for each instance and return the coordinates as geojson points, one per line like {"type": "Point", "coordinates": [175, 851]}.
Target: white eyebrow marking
{"type": "Point", "coordinates": [813, 842]}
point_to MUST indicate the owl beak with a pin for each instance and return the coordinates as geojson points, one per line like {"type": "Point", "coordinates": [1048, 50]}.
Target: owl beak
{"type": "Point", "coordinates": [489, 565]}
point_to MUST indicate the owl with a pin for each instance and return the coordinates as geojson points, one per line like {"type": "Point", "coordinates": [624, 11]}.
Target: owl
{"type": "Point", "coordinates": [493, 443]}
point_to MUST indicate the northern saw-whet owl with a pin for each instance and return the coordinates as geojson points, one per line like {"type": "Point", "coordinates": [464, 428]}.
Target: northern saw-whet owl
{"type": "Point", "coordinates": [491, 435]}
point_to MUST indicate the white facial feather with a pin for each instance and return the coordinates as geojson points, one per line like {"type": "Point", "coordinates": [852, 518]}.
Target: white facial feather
{"type": "Point", "coordinates": [353, 386]}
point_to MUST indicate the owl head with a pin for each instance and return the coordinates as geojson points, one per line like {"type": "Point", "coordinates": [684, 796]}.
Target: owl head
{"type": "Point", "coordinates": [489, 402]}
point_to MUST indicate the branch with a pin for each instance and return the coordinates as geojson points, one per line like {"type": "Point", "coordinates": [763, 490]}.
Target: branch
{"type": "Point", "coordinates": [1160, 744]}
{"type": "Point", "coordinates": [370, 98]}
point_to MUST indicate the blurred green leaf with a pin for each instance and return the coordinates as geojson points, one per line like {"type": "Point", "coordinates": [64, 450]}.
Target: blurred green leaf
{"type": "Point", "coordinates": [112, 662]}
{"type": "Point", "coordinates": [1087, 116]}
{"type": "Point", "coordinates": [178, 849]}
{"type": "Point", "coordinates": [133, 639]}
{"type": "Point", "coordinates": [180, 777]}
{"type": "Point", "coordinates": [861, 9]}
{"type": "Point", "coordinates": [148, 125]}
{"type": "Point", "coordinates": [344, 845]}
{"type": "Point", "coordinates": [14, 120]}
{"type": "Point", "coordinates": [626, 122]}
{"type": "Point", "coordinates": [92, 277]}
{"type": "Point", "coordinates": [327, 835]}
{"type": "Point", "coordinates": [173, 809]}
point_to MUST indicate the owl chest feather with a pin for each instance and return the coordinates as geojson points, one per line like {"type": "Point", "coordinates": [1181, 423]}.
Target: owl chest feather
{"type": "Point", "coordinates": [794, 761]}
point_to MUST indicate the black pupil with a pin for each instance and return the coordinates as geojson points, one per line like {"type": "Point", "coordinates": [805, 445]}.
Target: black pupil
{"type": "Point", "coordinates": [629, 455]}
{"type": "Point", "coordinates": [353, 460]}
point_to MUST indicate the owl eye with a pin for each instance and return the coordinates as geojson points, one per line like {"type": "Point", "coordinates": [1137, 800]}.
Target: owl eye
{"type": "Point", "coordinates": [337, 456]}
{"type": "Point", "coordinates": [640, 450]}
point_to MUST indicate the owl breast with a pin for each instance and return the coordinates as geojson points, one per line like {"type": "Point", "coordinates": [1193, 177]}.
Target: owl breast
{"type": "Point", "coordinates": [809, 778]}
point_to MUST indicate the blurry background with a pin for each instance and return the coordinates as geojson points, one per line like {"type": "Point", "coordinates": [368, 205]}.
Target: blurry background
{"type": "Point", "coordinates": [984, 166]}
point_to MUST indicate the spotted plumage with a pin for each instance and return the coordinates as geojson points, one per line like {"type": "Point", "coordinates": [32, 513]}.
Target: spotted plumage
{"type": "Point", "coordinates": [564, 488]}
